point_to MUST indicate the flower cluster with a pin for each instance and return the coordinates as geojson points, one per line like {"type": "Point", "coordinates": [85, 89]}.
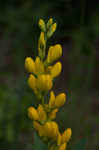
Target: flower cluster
{"type": "Point", "coordinates": [42, 73]}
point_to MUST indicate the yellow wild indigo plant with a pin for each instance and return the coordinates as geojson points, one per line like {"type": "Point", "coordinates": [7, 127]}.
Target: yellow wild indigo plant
{"type": "Point", "coordinates": [42, 73]}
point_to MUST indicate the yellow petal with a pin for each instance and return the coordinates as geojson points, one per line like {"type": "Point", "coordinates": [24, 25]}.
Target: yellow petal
{"type": "Point", "coordinates": [44, 82]}
{"type": "Point", "coordinates": [52, 114]}
{"type": "Point", "coordinates": [53, 28]}
{"type": "Point", "coordinates": [59, 137]}
{"type": "Point", "coordinates": [52, 100]}
{"type": "Point", "coordinates": [30, 65]}
{"type": "Point", "coordinates": [42, 25]}
{"type": "Point", "coordinates": [39, 66]}
{"type": "Point", "coordinates": [38, 128]}
{"type": "Point", "coordinates": [51, 129]}
{"type": "Point", "coordinates": [33, 114]}
{"type": "Point", "coordinates": [60, 100]}
{"type": "Point", "coordinates": [66, 135]}
{"type": "Point", "coordinates": [32, 83]}
{"type": "Point", "coordinates": [56, 70]}
{"type": "Point", "coordinates": [41, 112]}
{"type": "Point", "coordinates": [63, 146]}
{"type": "Point", "coordinates": [54, 53]}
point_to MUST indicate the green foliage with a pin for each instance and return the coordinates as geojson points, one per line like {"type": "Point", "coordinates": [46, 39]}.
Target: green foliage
{"type": "Point", "coordinates": [81, 145]}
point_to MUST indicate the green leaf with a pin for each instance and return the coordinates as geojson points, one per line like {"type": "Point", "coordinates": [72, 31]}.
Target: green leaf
{"type": "Point", "coordinates": [38, 144]}
{"type": "Point", "coordinates": [81, 145]}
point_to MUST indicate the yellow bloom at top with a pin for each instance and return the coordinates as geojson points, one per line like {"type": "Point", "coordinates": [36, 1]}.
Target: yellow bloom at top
{"type": "Point", "coordinates": [49, 23]}
{"type": "Point", "coordinates": [54, 53]}
{"type": "Point", "coordinates": [42, 25]}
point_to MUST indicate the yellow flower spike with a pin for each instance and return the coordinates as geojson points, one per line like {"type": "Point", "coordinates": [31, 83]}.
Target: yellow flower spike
{"type": "Point", "coordinates": [38, 128]}
{"type": "Point", "coordinates": [39, 66]}
{"type": "Point", "coordinates": [32, 83]}
{"type": "Point", "coordinates": [44, 82]}
{"type": "Point", "coordinates": [59, 138]}
{"type": "Point", "coordinates": [30, 65]}
{"type": "Point", "coordinates": [54, 53]}
{"type": "Point", "coordinates": [66, 135]}
{"type": "Point", "coordinates": [53, 28]}
{"type": "Point", "coordinates": [52, 100]}
{"type": "Point", "coordinates": [51, 129]}
{"type": "Point", "coordinates": [56, 70]}
{"type": "Point", "coordinates": [52, 114]}
{"type": "Point", "coordinates": [63, 146]}
{"type": "Point", "coordinates": [41, 112]}
{"type": "Point", "coordinates": [60, 100]}
{"type": "Point", "coordinates": [42, 25]}
{"type": "Point", "coordinates": [33, 114]}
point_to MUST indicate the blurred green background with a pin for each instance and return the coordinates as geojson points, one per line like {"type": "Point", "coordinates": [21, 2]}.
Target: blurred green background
{"type": "Point", "coordinates": [78, 32]}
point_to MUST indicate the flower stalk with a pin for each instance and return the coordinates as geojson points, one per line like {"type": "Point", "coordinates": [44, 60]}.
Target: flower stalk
{"type": "Point", "coordinates": [42, 73]}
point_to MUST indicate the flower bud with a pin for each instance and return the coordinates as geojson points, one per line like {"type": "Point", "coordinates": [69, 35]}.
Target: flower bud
{"type": "Point", "coordinates": [49, 23]}
{"type": "Point", "coordinates": [53, 27]}
{"type": "Point", "coordinates": [54, 53]}
{"type": "Point", "coordinates": [42, 25]}
{"type": "Point", "coordinates": [59, 138]}
{"type": "Point", "coordinates": [52, 100]}
{"type": "Point", "coordinates": [32, 83]}
{"type": "Point", "coordinates": [60, 100]}
{"type": "Point", "coordinates": [39, 66]}
{"type": "Point", "coordinates": [51, 129]}
{"type": "Point", "coordinates": [56, 70]}
{"type": "Point", "coordinates": [44, 82]}
{"type": "Point", "coordinates": [30, 65]}
{"type": "Point", "coordinates": [63, 146]}
{"type": "Point", "coordinates": [33, 114]}
{"type": "Point", "coordinates": [66, 135]}
{"type": "Point", "coordinates": [41, 112]}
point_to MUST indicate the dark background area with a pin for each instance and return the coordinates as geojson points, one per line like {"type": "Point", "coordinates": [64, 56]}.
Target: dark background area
{"type": "Point", "coordinates": [78, 32]}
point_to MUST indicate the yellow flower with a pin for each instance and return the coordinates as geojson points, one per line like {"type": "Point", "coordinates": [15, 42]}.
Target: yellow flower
{"type": "Point", "coordinates": [54, 53]}
{"type": "Point", "coordinates": [52, 100]}
{"type": "Point", "coordinates": [56, 70]}
{"type": "Point", "coordinates": [53, 28]}
{"type": "Point", "coordinates": [30, 65]}
{"type": "Point", "coordinates": [39, 66]}
{"type": "Point", "coordinates": [33, 114]}
{"type": "Point", "coordinates": [32, 83]}
{"type": "Point", "coordinates": [63, 146]}
{"type": "Point", "coordinates": [52, 114]}
{"type": "Point", "coordinates": [41, 112]}
{"type": "Point", "coordinates": [44, 82]}
{"type": "Point", "coordinates": [51, 129]}
{"type": "Point", "coordinates": [38, 128]}
{"type": "Point", "coordinates": [66, 135]}
{"type": "Point", "coordinates": [42, 25]}
{"type": "Point", "coordinates": [60, 100]}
